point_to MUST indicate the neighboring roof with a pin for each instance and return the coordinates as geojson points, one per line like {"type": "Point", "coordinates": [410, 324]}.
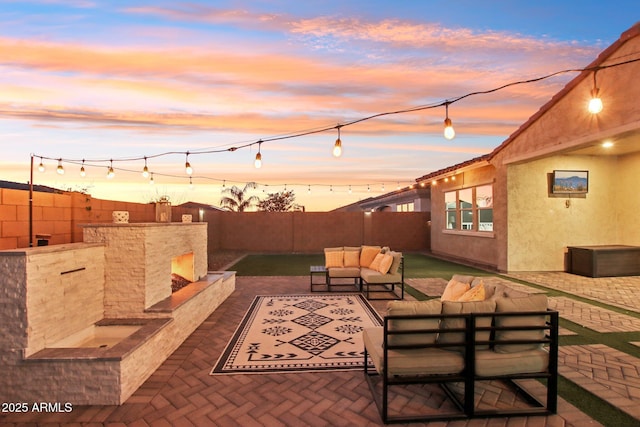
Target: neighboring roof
{"type": "Point", "coordinates": [25, 186]}
{"type": "Point", "coordinates": [454, 168]}
{"type": "Point", "coordinates": [196, 205]}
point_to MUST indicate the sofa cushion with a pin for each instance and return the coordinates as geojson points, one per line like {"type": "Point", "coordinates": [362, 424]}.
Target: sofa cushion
{"type": "Point", "coordinates": [368, 254]}
{"type": "Point", "coordinates": [397, 259]}
{"type": "Point", "coordinates": [375, 277]}
{"type": "Point", "coordinates": [476, 293]}
{"type": "Point", "coordinates": [375, 264]}
{"type": "Point", "coordinates": [413, 307]}
{"type": "Point", "coordinates": [351, 258]}
{"type": "Point", "coordinates": [385, 264]}
{"type": "Point", "coordinates": [424, 361]}
{"type": "Point", "coordinates": [489, 363]}
{"type": "Point", "coordinates": [537, 302]}
{"type": "Point", "coordinates": [334, 259]}
{"type": "Point", "coordinates": [345, 272]}
{"type": "Point", "coordinates": [455, 307]}
{"type": "Point", "coordinates": [454, 290]}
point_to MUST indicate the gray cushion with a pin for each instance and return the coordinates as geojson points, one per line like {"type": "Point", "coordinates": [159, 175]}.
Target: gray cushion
{"type": "Point", "coordinates": [490, 363]}
{"type": "Point", "coordinates": [537, 302]}
{"type": "Point", "coordinates": [426, 361]}
{"type": "Point", "coordinates": [453, 307]}
{"type": "Point", "coordinates": [373, 276]}
{"type": "Point", "coordinates": [344, 272]}
{"type": "Point", "coordinates": [433, 306]}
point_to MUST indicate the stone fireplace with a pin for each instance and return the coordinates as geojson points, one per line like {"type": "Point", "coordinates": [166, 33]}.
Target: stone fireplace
{"type": "Point", "coordinates": [140, 258]}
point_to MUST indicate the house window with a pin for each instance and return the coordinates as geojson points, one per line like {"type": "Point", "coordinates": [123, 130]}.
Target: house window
{"type": "Point", "coordinates": [406, 207]}
{"type": "Point", "coordinates": [469, 209]}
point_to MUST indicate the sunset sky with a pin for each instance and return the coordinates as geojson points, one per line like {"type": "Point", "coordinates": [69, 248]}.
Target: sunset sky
{"type": "Point", "coordinates": [117, 80]}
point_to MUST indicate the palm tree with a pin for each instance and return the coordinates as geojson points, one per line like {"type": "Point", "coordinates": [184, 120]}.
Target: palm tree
{"type": "Point", "coordinates": [237, 199]}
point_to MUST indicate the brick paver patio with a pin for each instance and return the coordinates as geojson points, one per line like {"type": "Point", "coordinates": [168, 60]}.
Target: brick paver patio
{"type": "Point", "coordinates": [181, 391]}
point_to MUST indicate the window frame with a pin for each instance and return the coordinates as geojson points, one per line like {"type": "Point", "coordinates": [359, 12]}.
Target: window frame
{"type": "Point", "coordinates": [460, 212]}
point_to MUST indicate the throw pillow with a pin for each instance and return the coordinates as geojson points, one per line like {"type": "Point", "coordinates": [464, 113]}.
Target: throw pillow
{"type": "Point", "coordinates": [474, 294]}
{"type": "Point", "coordinates": [385, 264]}
{"type": "Point", "coordinates": [454, 290]}
{"type": "Point", "coordinates": [352, 258]}
{"type": "Point", "coordinates": [334, 259]}
{"type": "Point", "coordinates": [368, 254]}
{"type": "Point", "coordinates": [375, 264]}
{"type": "Point", "coordinates": [536, 302]}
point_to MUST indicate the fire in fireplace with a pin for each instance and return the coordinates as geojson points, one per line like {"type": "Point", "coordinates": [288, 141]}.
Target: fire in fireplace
{"type": "Point", "coordinates": [182, 271]}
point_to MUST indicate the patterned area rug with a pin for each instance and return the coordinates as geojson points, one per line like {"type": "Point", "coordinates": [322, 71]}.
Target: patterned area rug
{"type": "Point", "coordinates": [294, 333]}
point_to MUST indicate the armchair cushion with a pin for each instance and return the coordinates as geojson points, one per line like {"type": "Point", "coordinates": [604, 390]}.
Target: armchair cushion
{"type": "Point", "coordinates": [422, 361]}
{"type": "Point", "coordinates": [454, 307]}
{"type": "Point", "coordinates": [490, 363]}
{"type": "Point", "coordinates": [413, 307]}
{"type": "Point", "coordinates": [537, 302]}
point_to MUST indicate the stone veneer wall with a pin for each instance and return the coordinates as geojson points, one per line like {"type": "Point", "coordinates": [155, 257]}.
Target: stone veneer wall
{"type": "Point", "coordinates": [138, 261]}
{"type": "Point", "coordinates": [65, 293]}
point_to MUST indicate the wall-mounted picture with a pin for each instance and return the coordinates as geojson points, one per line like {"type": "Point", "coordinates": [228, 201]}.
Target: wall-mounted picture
{"type": "Point", "coordinates": [570, 182]}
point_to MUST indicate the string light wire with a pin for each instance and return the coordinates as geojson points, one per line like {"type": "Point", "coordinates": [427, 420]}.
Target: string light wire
{"type": "Point", "coordinates": [234, 147]}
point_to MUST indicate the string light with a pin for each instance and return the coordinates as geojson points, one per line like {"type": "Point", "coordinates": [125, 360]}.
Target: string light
{"type": "Point", "coordinates": [145, 169]}
{"type": "Point", "coordinates": [258, 162]}
{"type": "Point", "coordinates": [595, 103]}
{"type": "Point", "coordinates": [187, 166]}
{"type": "Point", "coordinates": [111, 173]}
{"type": "Point", "coordinates": [309, 189]}
{"type": "Point", "coordinates": [449, 132]}
{"type": "Point", "coordinates": [41, 166]}
{"type": "Point", "coordinates": [83, 173]}
{"type": "Point", "coordinates": [151, 181]}
{"type": "Point", "coordinates": [337, 148]}
{"type": "Point", "coordinates": [190, 184]}
{"type": "Point", "coordinates": [60, 169]}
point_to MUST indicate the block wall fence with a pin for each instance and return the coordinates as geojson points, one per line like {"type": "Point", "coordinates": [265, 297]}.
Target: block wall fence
{"type": "Point", "coordinates": [60, 215]}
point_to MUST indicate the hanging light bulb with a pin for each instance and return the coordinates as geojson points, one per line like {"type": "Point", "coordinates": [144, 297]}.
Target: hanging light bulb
{"type": "Point", "coordinates": [82, 171]}
{"type": "Point", "coordinates": [187, 166]}
{"type": "Point", "coordinates": [111, 173]}
{"type": "Point", "coordinates": [449, 132]}
{"type": "Point", "coordinates": [190, 184]}
{"type": "Point", "coordinates": [60, 169]}
{"type": "Point", "coordinates": [151, 181]}
{"type": "Point", "coordinates": [337, 148]}
{"type": "Point", "coordinates": [382, 188]}
{"type": "Point", "coordinates": [595, 103]}
{"type": "Point", "coordinates": [258, 162]}
{"type": "Point", "coordinates": [309, 190]}
{"type": "Point", "coordinates": [145, 169]}
{"type": "Point", "coordinates": [41, 166]}
{"type": "Point", "coordinates": [349, 189]}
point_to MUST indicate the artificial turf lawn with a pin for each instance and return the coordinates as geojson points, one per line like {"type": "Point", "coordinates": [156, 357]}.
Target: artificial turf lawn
{"type": "Point", "coordinates": [415, 265]}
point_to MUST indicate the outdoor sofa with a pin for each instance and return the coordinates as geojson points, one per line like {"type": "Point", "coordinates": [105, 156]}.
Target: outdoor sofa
{"type": "Point", "coordinates": [479, 332]}
{"type": "Point", "coordinates": [375, 270]}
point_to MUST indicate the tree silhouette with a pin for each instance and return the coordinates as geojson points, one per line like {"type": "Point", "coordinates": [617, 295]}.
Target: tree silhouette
{"type": "Point", "coordinates": [237, 199]}
{"type": "Point", "coordinates": [278, 202]}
